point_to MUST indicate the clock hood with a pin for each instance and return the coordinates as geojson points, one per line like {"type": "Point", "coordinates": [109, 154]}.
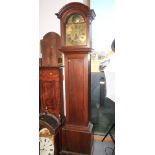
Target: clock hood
{"type": "Point", "coordinates": [73, 6]}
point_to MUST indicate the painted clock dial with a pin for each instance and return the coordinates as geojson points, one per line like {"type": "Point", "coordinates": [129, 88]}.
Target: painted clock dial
{"type": "Point", "coordinates": [75, 30]}
{"type": "Point", "coordinates": [46, 142]}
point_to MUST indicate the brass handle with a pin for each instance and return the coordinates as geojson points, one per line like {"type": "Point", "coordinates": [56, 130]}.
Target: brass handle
{"type": "Point", "coordinates": [51, 73]}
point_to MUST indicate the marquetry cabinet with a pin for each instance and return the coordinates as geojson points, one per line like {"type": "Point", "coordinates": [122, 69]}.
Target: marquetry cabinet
{"type": "Point", "coordinates": [51, 90]}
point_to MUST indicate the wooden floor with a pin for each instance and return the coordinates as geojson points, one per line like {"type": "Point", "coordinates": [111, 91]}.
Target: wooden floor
{"type": "Point", "coordinates": [99, 138]}
{"type": "Point", "coordinates": [103, 148]}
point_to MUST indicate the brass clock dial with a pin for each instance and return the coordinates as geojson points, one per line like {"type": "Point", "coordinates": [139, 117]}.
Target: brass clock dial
{"type": "Point", "coordinates": [75, 31]}
{"type": "Point", "coordinates": [46, 142]}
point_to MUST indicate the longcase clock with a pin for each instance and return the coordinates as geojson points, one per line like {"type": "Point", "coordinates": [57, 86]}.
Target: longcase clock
{"type": "Point", "coordinates": [50, 95]}
{"type": "Point", "coordinates": [75, 20]}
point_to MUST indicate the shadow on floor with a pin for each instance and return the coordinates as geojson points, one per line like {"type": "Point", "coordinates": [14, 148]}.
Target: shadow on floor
{"type": "Point", "coordinates": [103, 148]}
{"type": "Point", "coordinates": [103, 117]}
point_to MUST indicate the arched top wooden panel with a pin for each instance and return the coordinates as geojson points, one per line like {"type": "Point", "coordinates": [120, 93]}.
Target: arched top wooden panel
{"type": "Point", "coordinates": [51, 35]}
{"type": "Point", "coordinates": [50, 45]}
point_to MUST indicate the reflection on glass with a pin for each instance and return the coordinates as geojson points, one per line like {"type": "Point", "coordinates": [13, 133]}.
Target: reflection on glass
{"type": "Point", "coordinates": [102, 67]}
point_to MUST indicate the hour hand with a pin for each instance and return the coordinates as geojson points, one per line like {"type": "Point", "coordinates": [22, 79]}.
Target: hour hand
{"type": "Point", "coordinates": [42, 149]}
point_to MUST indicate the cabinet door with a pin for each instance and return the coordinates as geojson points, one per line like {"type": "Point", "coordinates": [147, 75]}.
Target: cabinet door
{"type": "Point", "coordinates": [48, 94]}
{"type": "Point", "coordinates": [50, 91]}
{"type": "Point", "coordinates": [76, 70]}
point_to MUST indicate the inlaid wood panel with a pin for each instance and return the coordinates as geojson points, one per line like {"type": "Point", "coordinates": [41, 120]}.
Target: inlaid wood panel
{"type": "Point", "coordinates": [49, 94]}
{"type": "Point", "coordinates": [49, 75]}
{"type": "Point", "coordinates": [50, 84]}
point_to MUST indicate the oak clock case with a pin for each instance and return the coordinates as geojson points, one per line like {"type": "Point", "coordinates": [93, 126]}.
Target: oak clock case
{"type": "Point", "coordinates": [75, 21]}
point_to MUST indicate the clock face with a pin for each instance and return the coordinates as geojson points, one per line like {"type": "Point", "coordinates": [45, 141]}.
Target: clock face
{"type": "Point", "coordinates": [75, 31]}
{"type": "Point", "coordinates": [46, 141]}
{"type": "Point", "coordinates": [46, 146]}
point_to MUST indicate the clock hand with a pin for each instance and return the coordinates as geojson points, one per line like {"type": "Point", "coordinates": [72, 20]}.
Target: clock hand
{"type": "Point", "coordinates": [41, 149]}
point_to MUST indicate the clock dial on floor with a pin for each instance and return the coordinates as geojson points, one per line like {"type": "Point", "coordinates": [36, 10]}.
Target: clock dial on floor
{"type": "Point", "coordinates": [46, 146]}
{"type": "Point", "coordinates": [46, 142]}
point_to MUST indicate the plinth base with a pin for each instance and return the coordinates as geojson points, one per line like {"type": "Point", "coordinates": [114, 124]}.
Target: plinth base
{"type": "Point", "coordinates": [76, 140]}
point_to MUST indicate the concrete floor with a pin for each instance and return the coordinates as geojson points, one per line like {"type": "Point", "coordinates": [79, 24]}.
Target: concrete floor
{"type": "Point", "coordinates": [103, 148]}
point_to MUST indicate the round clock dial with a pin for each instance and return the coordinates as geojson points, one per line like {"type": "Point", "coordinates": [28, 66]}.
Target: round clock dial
{"type": "Point", "coordinates": [46, 146]}
{"type": "Point", "coordinates": [46, 141]}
